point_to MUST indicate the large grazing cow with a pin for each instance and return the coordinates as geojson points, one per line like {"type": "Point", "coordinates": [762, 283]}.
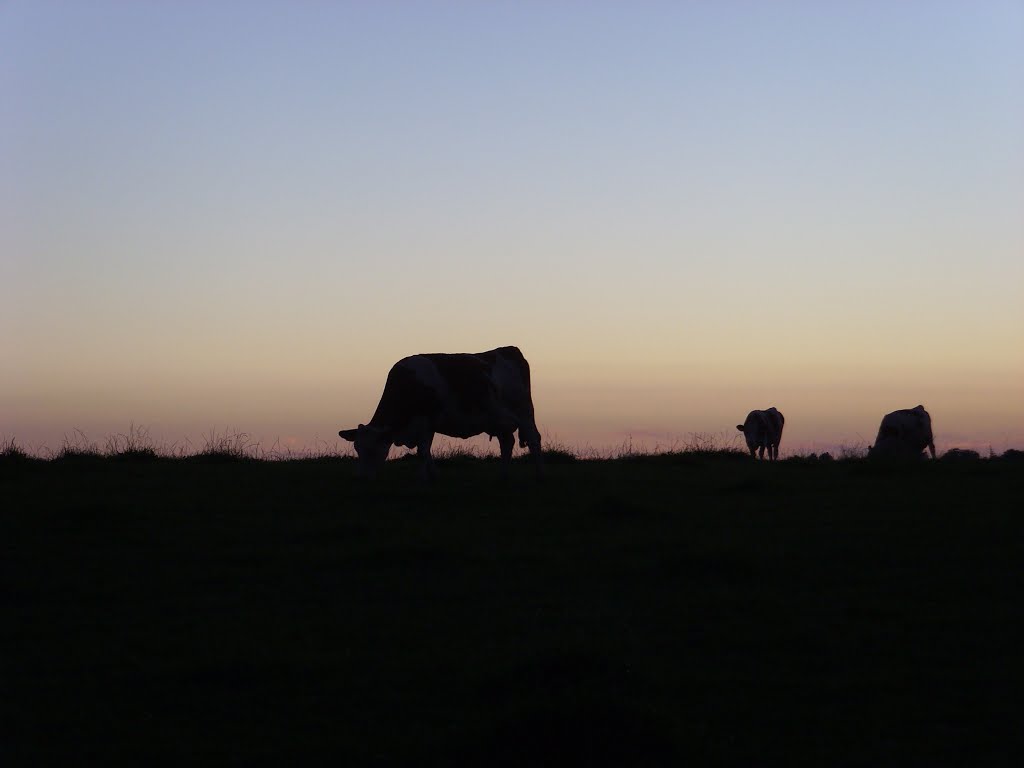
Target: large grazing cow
{"type": "Point", "coordinates": [763, 429]}
{"type": "Point", "coordinates": [459, 395]}
{"type": "Point", "coordinates": [904, 434]}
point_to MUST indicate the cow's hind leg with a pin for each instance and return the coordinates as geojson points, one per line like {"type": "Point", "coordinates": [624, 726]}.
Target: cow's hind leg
{"type": "Point", "coordinates": [506, 442]}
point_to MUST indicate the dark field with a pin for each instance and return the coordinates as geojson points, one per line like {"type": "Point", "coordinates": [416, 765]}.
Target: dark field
{"type": "Point", "coordinates": [654, 611]}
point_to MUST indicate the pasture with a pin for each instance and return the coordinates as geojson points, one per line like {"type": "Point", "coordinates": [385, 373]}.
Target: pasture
{"type": "Point", "coordinates": [639, 611]}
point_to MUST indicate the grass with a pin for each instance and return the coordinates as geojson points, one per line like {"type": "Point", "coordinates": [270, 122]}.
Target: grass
{"type": "Point", "coordinates": [690, 606]}
{"type": "Point", "coordinates": [231, 445]}
{"type": "Point", "coordinates": [10, 450]}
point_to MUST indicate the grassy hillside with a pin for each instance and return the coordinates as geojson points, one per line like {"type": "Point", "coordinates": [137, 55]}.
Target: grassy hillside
{"type": "Point", "coordinates": [637, 611]}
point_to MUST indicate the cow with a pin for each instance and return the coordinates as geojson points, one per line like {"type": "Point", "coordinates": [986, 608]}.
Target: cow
{"type": "Point", "coordinates": [459, 395]}
{"type": "Point", "coordinates": [904, 434]}
{"type": "Point", "coordinates": [763, 429]}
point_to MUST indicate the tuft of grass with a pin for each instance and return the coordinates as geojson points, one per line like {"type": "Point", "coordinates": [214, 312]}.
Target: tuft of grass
{"type": "Point", "coordinates": [454, 452]}
{"type": "Point", "coordinates": [78, 447]}
{"type": "Point", "coordinates": [696, 446]}
{"type": "Point", "coordinates": [559, 455]}
{"type": "Point", "coordinates": [228, 446]}
{"type": "Point", "coordinates": [960, 454]}
{"type": "Point", "coordinates": [711, 443]}
{"type": "Point", "coordinates": [810, 458]}
{"type": "Point", "coordinates": [554, 451]}
{"type": "Point", "coordinates": [11, 451]}
{"type": "Point", "coordinates": [135, 445]}
{"type": "Point", "coordinates": [854, 452]}
{"type": "Point", "coordinates": [322, 451]}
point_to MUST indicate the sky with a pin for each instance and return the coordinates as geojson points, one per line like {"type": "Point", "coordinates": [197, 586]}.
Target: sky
{"type": "Point", "coordinates": [237, 216]}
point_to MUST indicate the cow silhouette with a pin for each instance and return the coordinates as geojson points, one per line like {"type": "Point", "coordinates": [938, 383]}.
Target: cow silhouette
{"type": "Point", "coordinates": [904, 434]}
{"type": "Point", "coordinates": [459, 395]}
{"type": "Point", "coordinates": [763, 430]}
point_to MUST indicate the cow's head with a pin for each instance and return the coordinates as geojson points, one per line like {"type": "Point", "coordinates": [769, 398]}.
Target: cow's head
{"type": "Point", "coordinates": [371, 444]}
{"type": "Point", "coordinates": [750, 438]}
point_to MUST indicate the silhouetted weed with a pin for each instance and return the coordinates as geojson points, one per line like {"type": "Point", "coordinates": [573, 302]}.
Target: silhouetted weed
{"type": "Point", "coordinates": [555, 456]}
{"type": "Point", "coordinates": [11, 452]}
{"type": "Point", "coordinates": [218, 457]}
{"type": "Point", "coordinates": [135, 454]}
{"type": "Point", "coordinates": [75, 455]}
{"type": "Point", "coordinates": [960, 454]}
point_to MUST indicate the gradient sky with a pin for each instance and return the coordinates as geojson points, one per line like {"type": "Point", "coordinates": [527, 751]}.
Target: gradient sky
{"type": "Point", "coordinates": [239, 215]}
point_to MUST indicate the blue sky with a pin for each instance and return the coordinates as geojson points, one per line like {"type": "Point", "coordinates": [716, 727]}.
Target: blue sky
{"type": "Point", "coordinates": [240, 214]}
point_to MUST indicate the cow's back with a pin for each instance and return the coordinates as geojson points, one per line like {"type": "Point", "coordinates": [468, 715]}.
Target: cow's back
{"type": "Point", "coordinates": [458, 394]}
{"type": "Point", "coordinates": [411, 393]}
{"type": "Point", "coordinates": [908, 430]}
{"type": "Point", "coordinates": [465, 379]}
{"type": "Point", "coordinates": [763, 427]}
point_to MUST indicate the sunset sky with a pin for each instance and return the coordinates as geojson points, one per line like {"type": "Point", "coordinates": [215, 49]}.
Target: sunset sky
{"type": "Point", "coordinates": [234, 215]}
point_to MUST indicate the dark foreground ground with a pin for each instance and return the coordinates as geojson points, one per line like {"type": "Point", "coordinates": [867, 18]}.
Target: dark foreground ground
{"type": "Point", "coordinates": [658, 611]}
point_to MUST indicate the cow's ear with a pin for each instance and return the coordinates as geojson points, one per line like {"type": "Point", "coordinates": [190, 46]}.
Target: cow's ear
{"type": "Point", "coordinates": [739, 427]}
{"type": "Point", "coordinates": [348, 434]}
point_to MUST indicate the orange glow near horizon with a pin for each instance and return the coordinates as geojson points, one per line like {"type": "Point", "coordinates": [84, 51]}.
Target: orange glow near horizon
{"type": "Point", "coordinates": [576, 406]}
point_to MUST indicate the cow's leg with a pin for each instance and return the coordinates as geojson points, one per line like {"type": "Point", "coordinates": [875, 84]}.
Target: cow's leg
{"type": "Point", "coordinates": [428, 470]}
{"type": "Point", "coordinates": [760, 452]}
{"type": "Point", "coordinates": [506, 442]}
{"type": "Point", "coordinates": [931, 447]}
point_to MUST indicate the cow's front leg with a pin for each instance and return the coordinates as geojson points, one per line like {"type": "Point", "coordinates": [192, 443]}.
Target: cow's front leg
{"type": "Point", "coordinates": [506, 442]}
{"type": "Point", "coordinates": [428, 469]}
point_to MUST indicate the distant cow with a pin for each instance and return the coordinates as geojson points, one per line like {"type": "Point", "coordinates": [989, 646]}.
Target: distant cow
{"type": "Point", "coordinates": [763, 429]}
{"type": "Point", "coordinates": [458, 395]}
{"type": "Point", "coordinates": [904, 434]}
